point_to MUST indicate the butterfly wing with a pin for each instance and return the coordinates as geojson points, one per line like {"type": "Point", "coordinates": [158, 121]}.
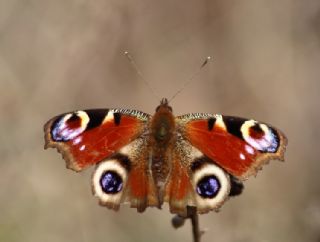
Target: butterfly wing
{"type": "Point", "coordinates": [88, 137]}
{"type": "Point", "coordinates": [194, 180]}
{"type": "Point", "coordinates": [239, 146]}
{"type": "Point", "coordinates": [125, 177]}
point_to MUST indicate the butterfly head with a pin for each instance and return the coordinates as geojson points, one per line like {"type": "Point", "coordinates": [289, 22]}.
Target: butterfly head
{"type": "Point", "coordinates": [164, 106]}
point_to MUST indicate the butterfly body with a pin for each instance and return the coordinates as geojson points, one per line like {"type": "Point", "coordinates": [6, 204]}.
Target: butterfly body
{"type": "Point", "coordinates": [144, 160]}
{"type": "Point", "coordinates": [161, 142]}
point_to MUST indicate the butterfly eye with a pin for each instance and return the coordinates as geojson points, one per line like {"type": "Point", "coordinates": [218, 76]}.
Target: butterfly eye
{"type": "Point", "coordinates": [108, 182]}
{"type": "Point", "coordinates": [212, 186]}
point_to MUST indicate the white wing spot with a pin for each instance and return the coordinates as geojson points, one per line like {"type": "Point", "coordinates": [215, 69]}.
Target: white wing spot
{"type": "Point", "coordinates": [109, 117]}
{"type": "Point", "coordinates": [219, 121]}
{"type": "Point", "coordinates": [249, 149]}
{"type": "Point", "coordinates": [242, 156]}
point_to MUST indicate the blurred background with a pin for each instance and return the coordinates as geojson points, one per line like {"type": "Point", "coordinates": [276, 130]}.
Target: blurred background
{"type": "Point", "coordinates": [58, 56]}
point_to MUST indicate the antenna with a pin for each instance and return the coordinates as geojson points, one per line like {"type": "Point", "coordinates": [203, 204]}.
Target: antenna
{"type": "Point", "coordinates": [139, 73]}
{"type": "Point", "coordinates": [206, 61]}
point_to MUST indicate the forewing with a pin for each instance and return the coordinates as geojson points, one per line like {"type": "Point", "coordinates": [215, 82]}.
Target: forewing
{"type": "Point", "coordinates": [87, 137]}
{"type": "Point", "coordinates": [240, 146]}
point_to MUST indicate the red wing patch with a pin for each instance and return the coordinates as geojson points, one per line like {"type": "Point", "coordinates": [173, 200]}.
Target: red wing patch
{"type": "Point", "coordinates": [179, 190]}
{"type": "Point", "coordinates": [86, 137]}
{"type": "Point", "coordinates": [239, 146]}
{"type": "Point", "coordinates": [141, 188]}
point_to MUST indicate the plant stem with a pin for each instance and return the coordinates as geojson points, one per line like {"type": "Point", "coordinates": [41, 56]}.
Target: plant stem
{"type": "Point", "coordinates": [193, 215]}
{"type": "Point", "coordinates": [178, 221]}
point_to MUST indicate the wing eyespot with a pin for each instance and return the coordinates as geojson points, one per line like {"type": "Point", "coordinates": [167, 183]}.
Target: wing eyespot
{"type": "Point", "coordinates": [260, 136]}
{"type": "Point", "coordinates": [109, 181]}
{"type": "Point", "coordinates": [208, 186]}
{"type": "Point", "coordinates": [69, 126]}
{"type": "Point", "coordinates": [212, 186]}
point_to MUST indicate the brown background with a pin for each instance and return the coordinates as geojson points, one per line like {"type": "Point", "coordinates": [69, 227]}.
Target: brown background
{"type": "Point", "coordinates": [57, 56]}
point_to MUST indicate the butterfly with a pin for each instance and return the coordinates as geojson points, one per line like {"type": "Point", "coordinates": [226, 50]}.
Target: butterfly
{"type": "Point", "coordinates": [197, 159]}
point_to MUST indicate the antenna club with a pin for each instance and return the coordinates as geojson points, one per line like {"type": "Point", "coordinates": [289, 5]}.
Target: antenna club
{"type": "Point", "coordinates": [139, 73]}
{"type": "Point", "coordinates": [208, 58]}
{"type": "Point", "coordinates": [205, 61]}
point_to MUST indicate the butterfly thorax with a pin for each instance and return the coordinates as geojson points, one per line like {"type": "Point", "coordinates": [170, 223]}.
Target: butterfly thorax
{"type": "Point", "coordinates": [161, 140]}
{"type": "Point", "coordinates": [162, 124]}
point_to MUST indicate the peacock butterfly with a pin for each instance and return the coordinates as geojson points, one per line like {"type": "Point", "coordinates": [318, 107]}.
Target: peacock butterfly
{"type": "Point", "coordinates": [194, 160]}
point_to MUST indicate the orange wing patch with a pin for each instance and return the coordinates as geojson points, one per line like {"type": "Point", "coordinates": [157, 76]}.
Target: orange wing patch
{"type": "Point", "coordinates": [179, 189]}
{"type": "Point", "coordinates": [228, 151]}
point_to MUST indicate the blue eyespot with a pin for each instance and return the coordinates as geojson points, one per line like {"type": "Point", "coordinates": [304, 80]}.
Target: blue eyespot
{"type": "Point", "coordinates": [208, 187]}
{"type": "Point", "coordinates": [111, 182]}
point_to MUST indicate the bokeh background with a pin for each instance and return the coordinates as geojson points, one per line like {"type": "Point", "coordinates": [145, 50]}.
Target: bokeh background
{"type": "Point", "coordinates": [58, 56]}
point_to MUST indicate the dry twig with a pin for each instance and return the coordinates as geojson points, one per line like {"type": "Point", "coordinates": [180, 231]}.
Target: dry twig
{"type": "Point", "coordinates": [178, 221]}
